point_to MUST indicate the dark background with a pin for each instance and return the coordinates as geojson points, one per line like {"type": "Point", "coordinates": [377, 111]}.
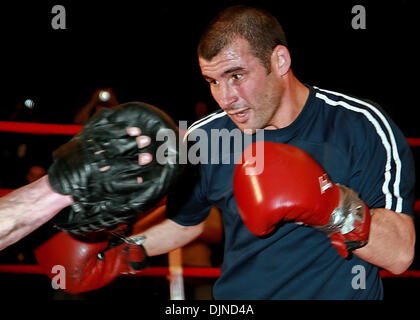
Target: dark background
{"type": "Point", "coordinates": [146, 51]}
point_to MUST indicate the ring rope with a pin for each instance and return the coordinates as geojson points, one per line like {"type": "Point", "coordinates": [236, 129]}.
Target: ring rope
{"type": "Point", "coordinates": [165, 271]}
{"type": "Point", "coordinates": [39, 128]}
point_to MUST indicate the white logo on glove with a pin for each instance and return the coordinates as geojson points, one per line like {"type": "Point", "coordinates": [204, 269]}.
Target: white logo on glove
{"type": "Point", "coordinates": [324, 183]}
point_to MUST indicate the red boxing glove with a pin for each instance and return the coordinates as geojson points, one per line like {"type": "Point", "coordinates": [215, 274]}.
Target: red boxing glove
{"type": "Point", "coordinates": [89, 266]}
{"type": "Point", "coordinates": [293, 186]}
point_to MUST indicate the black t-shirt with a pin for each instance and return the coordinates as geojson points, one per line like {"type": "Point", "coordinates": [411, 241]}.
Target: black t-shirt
{"type": "Point", "coordinates": [357, 145]}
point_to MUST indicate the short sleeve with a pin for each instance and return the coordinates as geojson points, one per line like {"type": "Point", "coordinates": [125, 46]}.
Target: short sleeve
{"type": "Point", "coordinates": [187, 203]}
{"type": "Point", "coordinates": [383, 172]}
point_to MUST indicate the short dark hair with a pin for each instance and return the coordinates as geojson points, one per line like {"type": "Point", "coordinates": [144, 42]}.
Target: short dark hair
{"type": "Point", "coordinates": [259, 27]}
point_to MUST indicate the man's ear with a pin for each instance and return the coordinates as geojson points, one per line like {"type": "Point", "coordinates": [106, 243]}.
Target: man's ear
{"type": "Point", "coordinates": [280, 60]}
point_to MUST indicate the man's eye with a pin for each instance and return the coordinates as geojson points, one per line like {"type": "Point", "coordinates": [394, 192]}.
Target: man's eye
{"type": "Point", "coordinates": [237, 76]}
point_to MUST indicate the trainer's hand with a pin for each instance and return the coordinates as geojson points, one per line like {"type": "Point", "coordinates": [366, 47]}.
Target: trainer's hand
{"type": "Point", "coordinates": [293, 186]}
{"type": "Point", "coordinates": [142, 142]}
{"type": "Point", "coordinates": [113, 169]}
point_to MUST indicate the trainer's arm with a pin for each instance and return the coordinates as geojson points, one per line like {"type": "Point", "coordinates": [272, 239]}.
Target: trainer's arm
{"type": "Point", "coordinates": [391, 241]}
{"type": "Point", "coordinates": [27, 208]}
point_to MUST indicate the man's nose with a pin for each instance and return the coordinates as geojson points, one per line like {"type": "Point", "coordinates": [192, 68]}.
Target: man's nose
{"type": "Point", "coordinates": [227, 97]}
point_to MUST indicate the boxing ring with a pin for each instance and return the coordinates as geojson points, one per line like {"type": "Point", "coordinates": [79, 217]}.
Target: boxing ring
{"type": "Point", "coordinates": [175, 272]}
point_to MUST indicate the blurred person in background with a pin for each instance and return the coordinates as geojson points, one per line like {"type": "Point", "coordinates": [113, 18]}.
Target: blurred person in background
{"type": "Point", "coordinates": [101, 99]}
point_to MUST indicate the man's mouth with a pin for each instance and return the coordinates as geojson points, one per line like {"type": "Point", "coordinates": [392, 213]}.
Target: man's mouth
{"type": "Point", "coordinates": [240, 116]}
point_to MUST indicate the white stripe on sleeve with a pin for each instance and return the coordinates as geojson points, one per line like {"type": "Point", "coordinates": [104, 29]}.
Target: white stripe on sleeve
{"type": "Point", "coordinates": [387, 145]}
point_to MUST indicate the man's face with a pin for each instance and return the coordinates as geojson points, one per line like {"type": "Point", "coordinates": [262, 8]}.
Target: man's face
{"type": "Point", "coordinates": [241, 86]}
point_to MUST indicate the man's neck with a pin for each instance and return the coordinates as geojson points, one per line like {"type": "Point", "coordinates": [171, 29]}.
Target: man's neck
{"type": "Point", "coordinates": [293, 100]}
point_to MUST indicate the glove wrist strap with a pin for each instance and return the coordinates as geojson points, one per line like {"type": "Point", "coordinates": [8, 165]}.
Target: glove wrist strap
{"type": "Point", "coordinates": [134, 243]}
{"type": "Point", "coordinates": [351, 209]}
{"type": "Point", "coordinates": [136, 260]}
